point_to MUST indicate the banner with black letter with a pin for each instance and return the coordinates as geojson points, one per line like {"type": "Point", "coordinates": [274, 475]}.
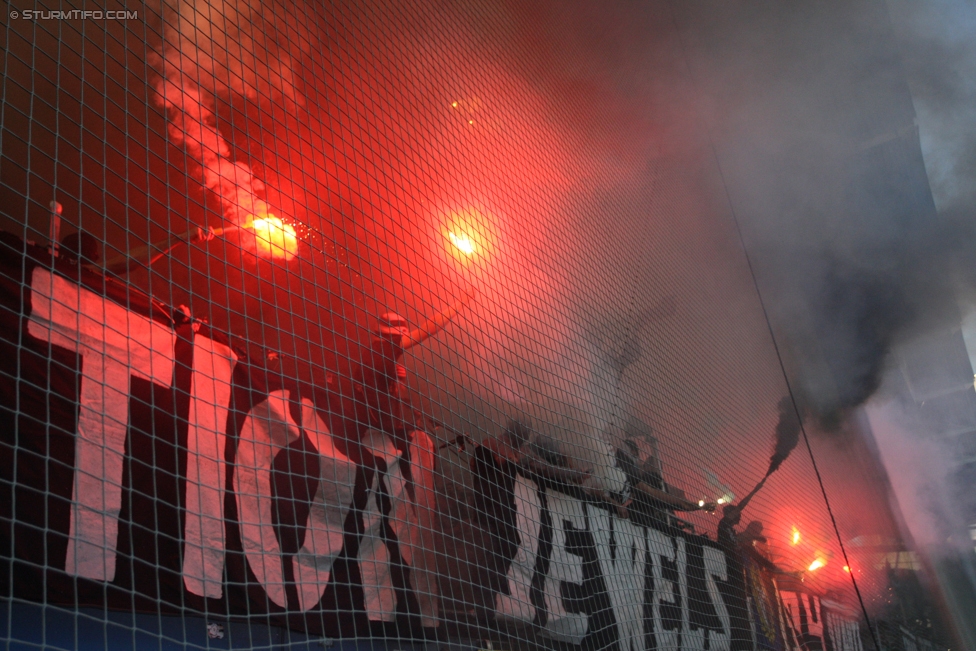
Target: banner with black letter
{"type": "Point", "coordinates": [588, 577]}
{"type": "Point", "coordinates": [144, 463]}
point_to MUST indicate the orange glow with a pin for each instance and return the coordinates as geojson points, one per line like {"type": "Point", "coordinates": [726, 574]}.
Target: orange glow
{"type": "Point", "coordinates": [816, 565]}
{"type": "Point", "coordinates": [468, 235]}
{"type": "Point", "coordinates": [462, 242]}
{"type": "Point", "coordinates": [796, 536]}
{"type": "Point", "coordinates": [847, 568]}
{"type": "Point", "coordinates": [273, 238]}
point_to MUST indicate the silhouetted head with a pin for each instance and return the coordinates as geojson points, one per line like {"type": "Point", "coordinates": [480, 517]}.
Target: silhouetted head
{"type": "Point", "coordinates": [82, 246]}
{"type": "Point", "coordinates": [754, 531]}
{"type": "Point", "coordinates": [393, 325]}
{"type": "Point", "coordinates": [731, 513]}
{"type": "Point", "coordinates": [630, 447]}
{"type": "Point", "coordinates": [517, 433]}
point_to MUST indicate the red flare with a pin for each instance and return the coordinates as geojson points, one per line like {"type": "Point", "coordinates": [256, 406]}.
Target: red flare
{"type": "Point", "coordinates": [469, 235]}
{"type": "Point", "coordinates": [273, 238]}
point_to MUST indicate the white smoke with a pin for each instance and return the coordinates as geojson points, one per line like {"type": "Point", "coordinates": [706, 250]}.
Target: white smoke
{"type": "Point", "coordinates": [194, 125]}
{"type": "Point", "coordinates": [216, 47]}
{"type": "Point", "coordinates": [246, 47]}
{"type": "Point", "coordinates": [919, 475]}
{"type": "Point", "coordinates": [939, 52]}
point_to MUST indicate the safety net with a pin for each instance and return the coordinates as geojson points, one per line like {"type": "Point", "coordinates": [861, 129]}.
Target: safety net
{"type": "Point", "coordinates": [474, 325]}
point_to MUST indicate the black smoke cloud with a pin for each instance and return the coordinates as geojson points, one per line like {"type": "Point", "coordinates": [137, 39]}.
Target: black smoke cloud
{"type": "Point", "coordinates": [787, 434]}
{"type": "Point", "coordinates": [815, 127]}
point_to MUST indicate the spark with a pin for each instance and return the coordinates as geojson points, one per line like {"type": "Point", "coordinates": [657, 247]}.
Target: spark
{"type": "Point", "coordinates": [816, 565]}
{"type": "Point", "coordinates": [796, 536]}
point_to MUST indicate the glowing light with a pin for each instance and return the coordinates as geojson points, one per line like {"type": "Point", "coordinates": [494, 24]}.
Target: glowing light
{"type": "Point", "coordinates": [701, 502]}
{"type": "Point", "coordinates": [273, 238]}
{"type": "Point", "coordinates": [816, 565]}
{"type": "Point", "coordinates": [721, 500]}
{"type": "Point", "coordinates": [469, 235]}
{"type": "Point", "coordinates": [454, 104]}
{"type": "Point", "coordinates": [470, 121]}
{"type": "Point", "coordinates": [795, 540]}
{"type": "Point", "coordinates": [462, 242]}
{"type": "Point", "coordinates": [847, 568]}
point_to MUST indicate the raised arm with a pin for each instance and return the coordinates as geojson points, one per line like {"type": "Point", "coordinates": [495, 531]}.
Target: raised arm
{"type": "Point", "coordinates": [502, 449]}
{"type": "Point", "coordinates": [673, 501]}
{"type": "Point", "coordinates": [558, 473]}
{"type": "Point", "coordinates": [434, 324]}
{"type": "Point", "coordinates": [570, 473]}
{"type": "Point", "coordinates": [147, 255]}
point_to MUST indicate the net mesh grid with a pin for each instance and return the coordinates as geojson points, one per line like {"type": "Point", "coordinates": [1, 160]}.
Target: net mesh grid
{"type": "Point", "coordinates": [350, 486]}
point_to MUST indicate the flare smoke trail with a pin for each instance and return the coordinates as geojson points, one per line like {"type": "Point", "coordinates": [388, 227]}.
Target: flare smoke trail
{"type": "Point", "coordinates": [219, 48]}
{"type": "Point", "coordinates": [787, 434]}
{"type": "Point", "coordinates": [787, 437]}
{"type": "Point", "coordinates": [194, 125]}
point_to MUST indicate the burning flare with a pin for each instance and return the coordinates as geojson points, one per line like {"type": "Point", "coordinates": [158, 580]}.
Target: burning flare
{"type": "Point", "coordinates": [468, 235]}
{"type": "Point", "coordinates": [462, 243]}
{"type": "Point", "coordinates": [816, 565]}
{"type": "Point", "coordinates": [795, 540]}
{"type": "Point", "coordinates": [273, 238]}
